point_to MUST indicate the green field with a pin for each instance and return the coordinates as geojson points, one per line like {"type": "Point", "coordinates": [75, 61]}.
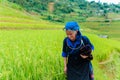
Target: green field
{"type": "Point", "coordinates": [111, 29]}
{"type": "Point", "coordinates": [27, 52]}
{"type": "Point", "coordinates": [36, 54]}
{"type": "Point", "coordinates": [12, 18]}
{"type": "Point", "coordinates": [30, 55]}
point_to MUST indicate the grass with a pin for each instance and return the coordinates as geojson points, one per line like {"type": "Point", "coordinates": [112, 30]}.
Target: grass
{"type": "Point", "coordinates": [113, 15]}
{"type": "Point", "coordinates": [111, 29]}
{"type": "Point", "coordinates": [36, 54]}
{"type": "Point", "coordinates": [29, 57]}
{"type": "Point", "coordinates": [15, 18]}
{"type": "Point", "coordinates": [95, 19]}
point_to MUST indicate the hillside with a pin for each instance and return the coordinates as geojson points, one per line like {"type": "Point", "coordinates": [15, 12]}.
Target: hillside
{"type": "Point", "coordinates": [29, 53]}
{"type": "Point", "coordinates": [13, 16]}
{"type": "Point", "coordinates": [67, 10]}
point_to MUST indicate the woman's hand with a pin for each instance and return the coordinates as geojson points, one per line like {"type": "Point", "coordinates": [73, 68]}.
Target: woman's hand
{"type": "Point", "coordinates": [83, 56]}
{"type": "Point", "coordinates": [65, 69]}
{"type": "Point", "coordinates": [65, 65]}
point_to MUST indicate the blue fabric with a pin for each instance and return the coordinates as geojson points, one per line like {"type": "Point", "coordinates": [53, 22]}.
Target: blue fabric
{"type": "Point", "coordinates": [91, 71]}
{"type": "Point", "coordinates": [64, 54]}
{"type": "Point", "coordinates": [75, 43]}
{"type": "Point", "coordinates": [87, 41]}
{"type": "Point", "coordinates": [92, 47]}
{"type": "Point", "coordinates": [75, 27]}
{"type": "Point", "coordinates": [72, 26]}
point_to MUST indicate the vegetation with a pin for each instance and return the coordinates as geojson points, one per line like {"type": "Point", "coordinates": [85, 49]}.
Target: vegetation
{"type": "Point", "coordinates": [110, 29]}
{"type": "Point", "coordinates": [34, 54]}
{"type": "Point", "coordinates": [64, 10]}
{"type": "Point", "coordinates": [11, 17]}
{"type": "Point", "coordinates": [18, 18]}
{"type": "Point", "coordinates": [27, 53]}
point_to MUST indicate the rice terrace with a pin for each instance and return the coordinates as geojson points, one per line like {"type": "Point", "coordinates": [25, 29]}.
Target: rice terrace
{"type": "Point", "coordinates": [31, 45]}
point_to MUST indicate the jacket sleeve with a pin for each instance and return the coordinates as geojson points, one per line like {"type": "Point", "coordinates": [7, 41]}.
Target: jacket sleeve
{"type": "Point", "coordinates": [64, 52]}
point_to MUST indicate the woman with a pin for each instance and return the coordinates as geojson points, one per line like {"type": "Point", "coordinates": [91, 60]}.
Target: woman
{"type": "Point", "coordinates": [77, 66]}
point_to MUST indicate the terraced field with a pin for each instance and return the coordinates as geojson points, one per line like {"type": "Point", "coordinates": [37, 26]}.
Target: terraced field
{"type": "Point", "coordinates": [29, 53]}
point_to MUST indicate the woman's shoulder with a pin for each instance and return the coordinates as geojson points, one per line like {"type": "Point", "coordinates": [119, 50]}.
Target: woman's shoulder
{"type": "Point", "coordinates": [85, 38]}
{"type": "Point", "coordinates": [64, 40]}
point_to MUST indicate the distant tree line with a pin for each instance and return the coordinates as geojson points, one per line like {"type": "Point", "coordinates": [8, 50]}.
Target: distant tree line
{"type": "Point", "coordinates": [64, 10]}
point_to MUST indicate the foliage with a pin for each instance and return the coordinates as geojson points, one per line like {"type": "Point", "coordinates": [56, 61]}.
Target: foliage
{"type": "Point", "coordinates": [66, 7]}
{"type": "Point", "coordinates": [36, 55]}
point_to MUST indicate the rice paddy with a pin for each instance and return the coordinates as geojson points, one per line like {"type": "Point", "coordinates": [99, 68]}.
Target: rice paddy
{"type": "Point", "coordinates": [34, 54]}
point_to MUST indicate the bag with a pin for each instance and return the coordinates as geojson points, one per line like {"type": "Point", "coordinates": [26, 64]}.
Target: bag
{"type": "Point", "coordinates": [86, 50]}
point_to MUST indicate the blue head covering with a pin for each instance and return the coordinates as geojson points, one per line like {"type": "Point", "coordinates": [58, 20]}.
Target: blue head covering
{"type": "Point", "coordinates": [75, 27]}
{"type": "Point", "coordinates": [72, 26]}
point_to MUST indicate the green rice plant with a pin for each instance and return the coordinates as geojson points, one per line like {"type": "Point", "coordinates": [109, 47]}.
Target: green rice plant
{"type": "Point", "coordinates": [36, 54]}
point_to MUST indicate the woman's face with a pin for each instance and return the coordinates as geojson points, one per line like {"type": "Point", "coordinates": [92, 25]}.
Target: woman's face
{"type": "Point", "coordinates": [71, 34]}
